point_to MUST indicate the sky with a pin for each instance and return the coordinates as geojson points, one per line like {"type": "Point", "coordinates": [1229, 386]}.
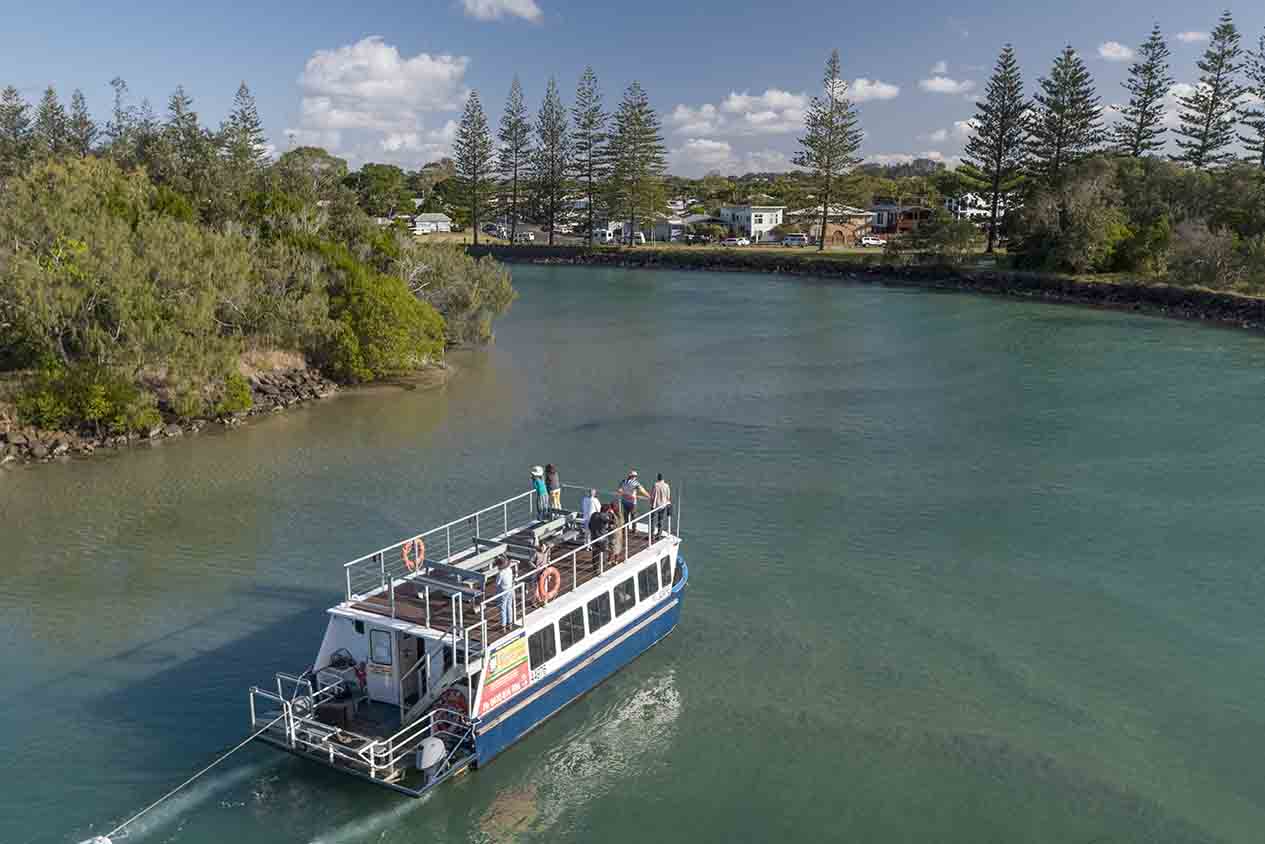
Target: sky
{"type": "Point", "coordinates": [377, 81]}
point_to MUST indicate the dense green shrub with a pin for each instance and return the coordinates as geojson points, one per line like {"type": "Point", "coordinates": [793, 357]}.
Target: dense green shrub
{"type": "Point", "coordinates": [235, 397]}
{"type": "Point", "coordinates": [86, 395]}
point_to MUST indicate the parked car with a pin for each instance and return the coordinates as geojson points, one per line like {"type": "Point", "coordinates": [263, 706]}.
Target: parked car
{"type": "Point", "coordinates": [871, 240]}
{"type": "Point", "coordinates": [525, 237]}
{"type": "Point", "coordinates": [490, 228]}
{"type": "Point", "coordinates": [637, 238]}
{"type": "Point", "coordinates": [795, 240]}
{"type": "Point", "coordinates": [603, 236]}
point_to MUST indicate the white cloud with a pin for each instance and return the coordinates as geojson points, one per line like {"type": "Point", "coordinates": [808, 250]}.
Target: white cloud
{"type": "Point", "coordinates": [772, 99]}
{"type": "Point", "coordinates": [703, 154]}
{"type": "Point", "coordinates": [938, 136]}
{"type": "Point", "coordinates": [1192, 37]}
{"type": "Point", "coordinates": [372, 98]}
{"type": "Point", "coordinates": [889, 158]}
{"type": "Point", "coordinates": [940, 68]}
{"type": "Point", "coordinates": [963, 129]}
{"type": "Point", "coordinates": [1114, 51]}
{"type": "Point", "coordinates": [704, 120]}
{"type": "Point", "coordinates": [945, 85]}
{"type": "Point", "coordinates": [491, 10]}
{"type": "Point", "coordinates": [766, 161]}
{"type": "Point", "coordinates": [863, 90]}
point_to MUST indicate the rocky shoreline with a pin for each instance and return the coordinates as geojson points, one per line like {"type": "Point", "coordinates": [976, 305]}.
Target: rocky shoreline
{"type": "Point", "coordinates": [270, 392]}
{"type": "Point", "coordinates": [1189, 303]}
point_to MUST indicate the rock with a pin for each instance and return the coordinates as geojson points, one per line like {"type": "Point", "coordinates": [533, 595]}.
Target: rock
{"type": "Point", "coordinates": [60, 447]}
{"type": "Point", "coordinates": [38, 451]}
{"type": "Point", "coordinates": [87, 447]}
{"type": "Point", "coordinates": [17, 438]}
{"type": "Point", "coordinates": [152, 432]}
{"type": "Point", "coordinates": [172, 431]}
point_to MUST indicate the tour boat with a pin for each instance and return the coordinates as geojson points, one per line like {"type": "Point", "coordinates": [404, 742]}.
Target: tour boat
{"type": "Point", "coordinates": [419, 677]}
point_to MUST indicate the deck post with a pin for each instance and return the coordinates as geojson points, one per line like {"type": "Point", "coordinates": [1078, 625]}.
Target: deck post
{"type": "Point", "coordinates": [347, 571]}
{"type": "Point", "coordinates": [428, 605]}
{"type": "Point", "coordinates": [447, 543]}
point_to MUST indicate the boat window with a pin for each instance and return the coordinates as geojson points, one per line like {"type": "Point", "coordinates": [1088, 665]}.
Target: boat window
{"type": "Point", "coordinates": [648, 581]}
{"type": "Point", "coordinates": [541, 646]}
{"type": "Point", "coordinates": [665, 570]}
{"type": "Point", "coordinates": [625, 597]}
{"type": "Point", "coordinates": [599, 611]}
{"type": "Point", "coordinates": [380, 647]}
{"type": "Point", "coordinates": [571, 628]}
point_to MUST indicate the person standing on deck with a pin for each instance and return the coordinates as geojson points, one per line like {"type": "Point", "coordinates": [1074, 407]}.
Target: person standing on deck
{"type": "Point", "coordinates": [629, 491]}
{"type": "Point", "coordinates": [617, 539]}
{"type": "Point", "coordinates": [554, 486]}
{"type": "Point", "coordinates": [542, 498]}
{"type": "Point", "coordinates": [505, 588]}
{"type": "Point", "coordinates": [660, 497]}
{"type": "Point", "coordinates": [599, 525]}
{"type": "Point", "coordinates": [588, 506]}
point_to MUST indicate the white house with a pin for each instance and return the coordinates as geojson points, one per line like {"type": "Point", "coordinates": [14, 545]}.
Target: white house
{"type": "Point", "coordinates": [431, 222]}
{"type": "Point", "coordinates": [753, 221]}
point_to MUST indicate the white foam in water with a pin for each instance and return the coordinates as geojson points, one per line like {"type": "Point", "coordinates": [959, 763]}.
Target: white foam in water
{"type": "Point", "coordinates": [367, 827]}
{"type": "Point", "coordinates": [183, 802]}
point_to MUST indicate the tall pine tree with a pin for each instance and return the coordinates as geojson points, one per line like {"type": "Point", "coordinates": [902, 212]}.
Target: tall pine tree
{"type": "Point", "coordinates": [1254, 115]}
{"type": "Point", "coordinates": [514, 156]}
{"type": "Point", "coordinates": [472, 149]}
{"type": "Point", "coordinates": [551, 159]}
{"type": "Point", "coordinates": [83, 130]}
{"type": "Point", "coordinates": [52, 127]}
{"type": "Point", "coordinates": [1141, 128]}
{"type": "Point", "coordinates": [15, 132]}
{"type": "Point", "coordinates": [638, 159]}
{"type": "Point", "coordinates": [831, 139]}
{"type": "Point", "coordinates": [995, 154]}
{"type": "Point", "coordinates": [1209, 115]}
{"type": "Point", "coordinates": [589, 139]}
{"type": "Point", "coordinates": [1066, 123]}
{"type": "Point", "coordinates": [243, 133]}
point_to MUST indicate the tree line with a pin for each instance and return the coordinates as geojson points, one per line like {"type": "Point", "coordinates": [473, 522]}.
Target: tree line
{"type": "Point", "coordinates": [141, 257]}
{"type": "Point", "coordinates": [1093, 198]}
{"type": "Point", "coordinates": [535, 170]}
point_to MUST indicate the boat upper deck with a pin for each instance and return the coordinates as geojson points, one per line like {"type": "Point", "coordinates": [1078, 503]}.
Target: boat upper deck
{"type": "Point", "coordinates": [445, 579]}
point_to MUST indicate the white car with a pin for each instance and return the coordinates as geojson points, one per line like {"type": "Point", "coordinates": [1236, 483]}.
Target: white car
{"type": "Point", "coordinates": [735, 241]}
{"type": "Point", "coordinates": [871, 240]}
{"type": "Point", "coordinates": [795, 240]}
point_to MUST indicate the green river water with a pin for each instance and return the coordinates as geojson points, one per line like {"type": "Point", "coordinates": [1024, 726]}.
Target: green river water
{"type": "Point", "coordinates": [962, 570]}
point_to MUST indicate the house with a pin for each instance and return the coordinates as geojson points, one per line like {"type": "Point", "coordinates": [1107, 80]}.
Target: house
{"type": "Point", "coordinates": [754, 221]}
{"type": "Point", "coordinates": [845, 226]}
{"type": "Point", "coordinates": [896, 217]}
{"type": "Point", "coordinates": [667, 229]}
{"type": "Point", "coordinates": [431, 222]}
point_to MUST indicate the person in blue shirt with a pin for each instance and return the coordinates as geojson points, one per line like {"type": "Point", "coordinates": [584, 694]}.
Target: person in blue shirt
{"type": "Point", "coordinates": [542, 494]}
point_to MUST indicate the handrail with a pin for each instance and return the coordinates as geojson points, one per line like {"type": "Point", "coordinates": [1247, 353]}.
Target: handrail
{"type": "Point", "coordinates": [627, 528]}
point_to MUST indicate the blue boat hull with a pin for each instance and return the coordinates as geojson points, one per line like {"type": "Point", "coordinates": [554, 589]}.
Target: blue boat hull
{"type": "Point", "coordinates": [502, 727]}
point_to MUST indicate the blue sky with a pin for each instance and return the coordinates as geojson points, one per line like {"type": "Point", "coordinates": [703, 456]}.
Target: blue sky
{"type": "Point", "coordinates": [377, 81]}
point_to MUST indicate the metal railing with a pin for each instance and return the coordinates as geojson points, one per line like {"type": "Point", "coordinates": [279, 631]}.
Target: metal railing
{"type": "Point", "coordinates": [521, 581]}
{"type": "Point", "coordinates": [374, 573]}
{"type": "Point", "coordinates": [380, 758]}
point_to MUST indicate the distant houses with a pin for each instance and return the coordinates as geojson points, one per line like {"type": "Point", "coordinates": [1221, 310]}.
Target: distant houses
{"type": "Point", "coordinates": [754, 220]}
{"type": "Point", "coordinates": [845, 225]}
{"type": "Point", "coordinates": [431, 222]}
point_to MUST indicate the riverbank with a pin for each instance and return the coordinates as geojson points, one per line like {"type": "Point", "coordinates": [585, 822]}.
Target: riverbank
{"type": "Point", "coordinates": [1169, 300]}
{"type": "Point", "coordinates": [270, 392]}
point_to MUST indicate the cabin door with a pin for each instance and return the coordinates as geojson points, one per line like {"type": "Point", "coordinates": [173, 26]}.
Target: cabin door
{"type": "Point", "coordinates": [381, 666]}
{"type": "Point", "coordinates": [413, 676]}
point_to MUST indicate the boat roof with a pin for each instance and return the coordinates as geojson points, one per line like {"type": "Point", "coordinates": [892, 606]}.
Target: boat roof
{"type": "Point", "coordinates": [441, 583]}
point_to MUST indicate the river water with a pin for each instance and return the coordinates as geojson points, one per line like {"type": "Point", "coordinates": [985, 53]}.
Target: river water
{"type": "Point", "coordinates": [963, 570]}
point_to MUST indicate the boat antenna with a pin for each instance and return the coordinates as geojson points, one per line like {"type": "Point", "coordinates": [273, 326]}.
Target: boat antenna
{"type": "Point", "coordinates": [108, 837]}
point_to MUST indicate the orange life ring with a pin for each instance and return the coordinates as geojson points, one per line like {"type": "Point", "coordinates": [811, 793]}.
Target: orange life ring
{"type": "Point", "coordinates": [454, 700]}
{"type": "Point", "coordinates": [418, 547]}
{"type": "Point", "coordinates": [545, 592]}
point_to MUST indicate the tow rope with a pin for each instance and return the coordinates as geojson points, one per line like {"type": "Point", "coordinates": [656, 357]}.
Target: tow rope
{"type": "Point", "coordinates": [108, 838]}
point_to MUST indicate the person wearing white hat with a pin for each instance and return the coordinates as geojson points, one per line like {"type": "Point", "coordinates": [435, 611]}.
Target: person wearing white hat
{"type": "Point", "coordinates": [629, 490]}
{"type": "Point", "coordinates": [542, 495]}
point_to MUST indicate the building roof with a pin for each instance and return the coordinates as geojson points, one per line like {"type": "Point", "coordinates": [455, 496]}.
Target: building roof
{"type": "Point", "coordinates": [432, 217]}
{"type": "Point", "coordinates": [772, 207]}
{"type": "Point", "coordinates": [835, 211]}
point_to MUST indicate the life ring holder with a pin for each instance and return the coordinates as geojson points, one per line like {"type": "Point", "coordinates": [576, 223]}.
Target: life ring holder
{"type": "Point", "coordinates": [454, 700]}
{"type": "Point", "coordinates": [544, 592]}
{"type": "Point", "coordinates": [413, 551]}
